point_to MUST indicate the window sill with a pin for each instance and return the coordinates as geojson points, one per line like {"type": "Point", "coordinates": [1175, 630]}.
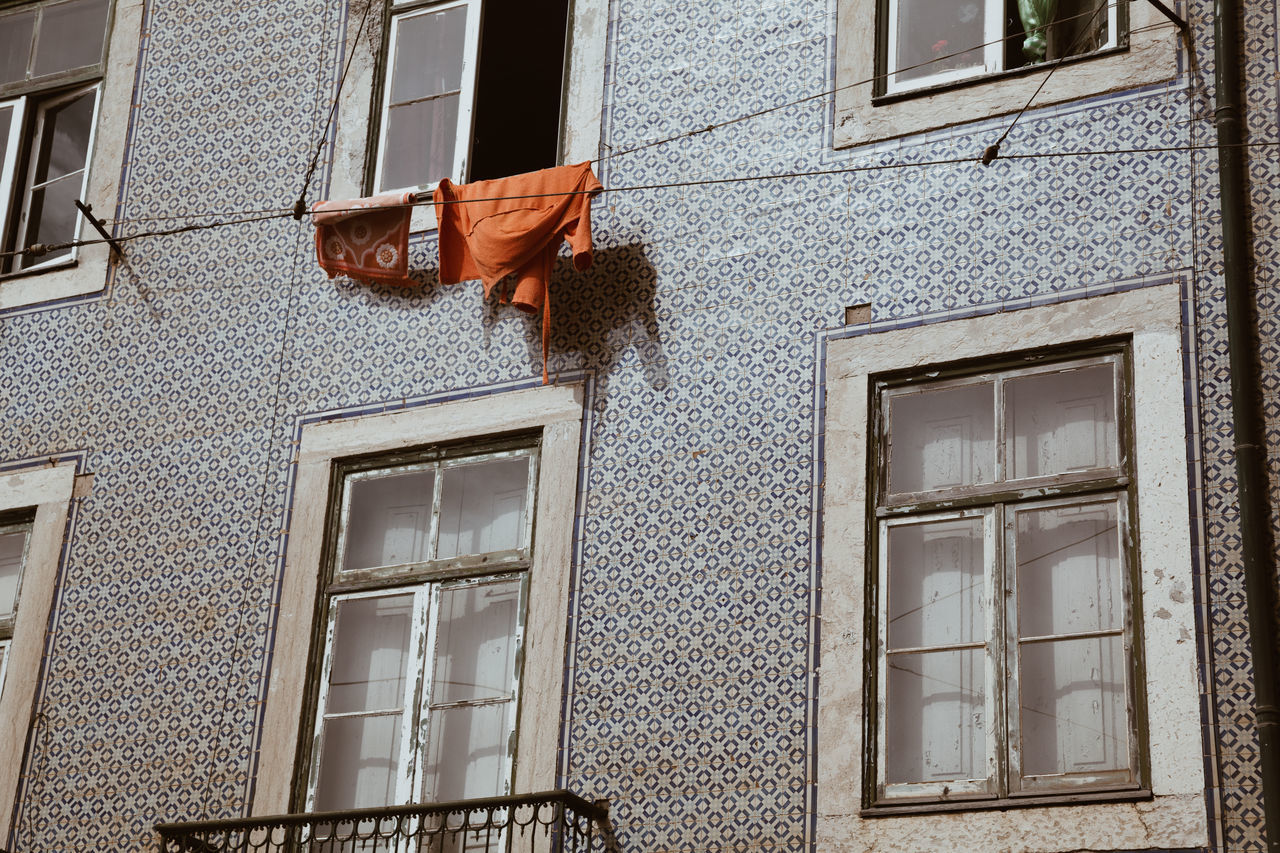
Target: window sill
{"type": "Point", "coordinates": [70, 278]}
{"type": "Point", "coordinates": [972, 805]}
{"type": "Point", "coordinates": [996, 78]}
{"type": "Point", "coordinates": [860, 118]}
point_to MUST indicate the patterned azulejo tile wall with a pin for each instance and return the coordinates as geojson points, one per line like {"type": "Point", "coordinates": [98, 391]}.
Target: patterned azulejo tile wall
{"type": "Point", "coordinates": [691, 698]}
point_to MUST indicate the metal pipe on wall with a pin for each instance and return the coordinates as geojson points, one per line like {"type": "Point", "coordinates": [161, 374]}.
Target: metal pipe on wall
{"type": "Point", "coordinates": [1256, 538]}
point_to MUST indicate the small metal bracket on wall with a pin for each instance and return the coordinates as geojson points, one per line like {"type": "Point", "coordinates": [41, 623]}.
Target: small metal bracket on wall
{"type": "Point", "coordinates": [87, 210]}
{"type": "Point", "coordinates": [1169, 13]}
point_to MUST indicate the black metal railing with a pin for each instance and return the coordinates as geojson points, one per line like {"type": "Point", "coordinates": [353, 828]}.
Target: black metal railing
{"type": "Point", "coordinates": [547, 822]}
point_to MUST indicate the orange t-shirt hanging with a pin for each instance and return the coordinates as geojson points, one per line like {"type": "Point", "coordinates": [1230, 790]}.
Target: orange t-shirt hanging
{"type": "Point", "coordinates": [492, 229]}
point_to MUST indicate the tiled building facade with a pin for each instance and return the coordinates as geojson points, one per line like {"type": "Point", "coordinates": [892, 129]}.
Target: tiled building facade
{"type": "Point", "coordinates": [180, 396]}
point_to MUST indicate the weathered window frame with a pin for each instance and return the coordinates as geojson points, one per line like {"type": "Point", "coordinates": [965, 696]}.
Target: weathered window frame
{"type": "Point", "coordinates": [1147, 53]}
{"type": "Point", "coordinates": [424, 580]}
{"type": "Point", "coordinates": [555, 413]}
{"type": "Point", "coordinates": [997, 503]}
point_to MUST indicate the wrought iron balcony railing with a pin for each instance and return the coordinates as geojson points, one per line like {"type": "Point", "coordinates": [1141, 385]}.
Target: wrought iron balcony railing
{"type": "Point", "coordinates": [548, 822]}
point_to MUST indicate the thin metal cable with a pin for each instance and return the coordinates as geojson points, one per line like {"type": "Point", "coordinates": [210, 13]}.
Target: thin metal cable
{"type": "Point", "coordinates": [848, 170]}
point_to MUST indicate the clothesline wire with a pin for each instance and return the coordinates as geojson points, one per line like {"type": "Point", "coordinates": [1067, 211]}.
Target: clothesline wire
{"type": "Point", "coordinates": [300, 206]}
{"type": "Point", "coordinates": [953, 161]}
{"type": "Point", "coordinates": [993, 150]}
{"type": "Point", "coordinates": [717, 125]}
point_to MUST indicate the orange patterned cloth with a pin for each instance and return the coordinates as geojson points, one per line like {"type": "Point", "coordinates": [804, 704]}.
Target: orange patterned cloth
{"type": "Point", "coordinates": [492, 229]}
{"type": "Point", "coordinates": [366, 239]}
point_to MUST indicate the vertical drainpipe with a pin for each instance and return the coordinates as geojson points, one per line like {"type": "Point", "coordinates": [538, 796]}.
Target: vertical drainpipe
{"type": "Point", "coordinates": [1242, 343]}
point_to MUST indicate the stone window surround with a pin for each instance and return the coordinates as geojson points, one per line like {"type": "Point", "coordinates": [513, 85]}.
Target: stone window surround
{"type": "Point", "coordinates": [87, 273]}
{"type": "Point", "coordinates": [49, 490]}
{"type": "Point", "coordinates": [558, 411]}
{"type": "Point", "coordinates": [581, 107]}
{"type": "Point", "coordinates": [1152, 57]}
{"type": "Point", "coordinates": [1175, 816]}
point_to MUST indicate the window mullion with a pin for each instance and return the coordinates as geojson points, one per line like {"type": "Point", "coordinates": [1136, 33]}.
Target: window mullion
{"type": "Point", "coordinates": [437, 490]}
{"type": "Point", "coordinates": [426, 606]}
{"type": "Point", "coordinates": [322, 704]}
{"type": "Point", "coordinates": [1010, 681]}
{"type": "Point", "coordinates": [9, 167]}
{"type": "Point", "coordinates": [991, 526]}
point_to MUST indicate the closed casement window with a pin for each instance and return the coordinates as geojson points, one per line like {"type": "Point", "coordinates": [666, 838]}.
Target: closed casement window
{"type": "Point", "coordinates": [471, 90]}
{"type": "Point", "coordinates": [51, 65]}
{"type": "Point", "coordinates": [933, 42]}
{"type": "Point", "coordinates": [424, 613]}
{"type": "Point", "coordinates": [1007, 657]}
{"type": "Point", "coordinates": [15, 536]}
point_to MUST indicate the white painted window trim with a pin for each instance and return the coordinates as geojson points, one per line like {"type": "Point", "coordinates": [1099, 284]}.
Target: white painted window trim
{"type": "Point", "coordinates": [87, 272]}
{"type": "Point", "coordinates": [1152, 57]}
{"type": "Point", "coordinates": [401, 11]}
{"type": "Point", "coordinates": [557, 410]}
{"type": "Point", "coordinates": [581, 107]}
{"type": "Point", "coordinates": [49, 491]}
{"type": "Point", "coordinates": [1175, 816]}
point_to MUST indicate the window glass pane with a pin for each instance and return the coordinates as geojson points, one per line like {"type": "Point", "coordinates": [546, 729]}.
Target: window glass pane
{"type": "Point", "coordinates": [1069, 576]}
{"type": "Point", "coordinates": [15, 45]}
{"type": "Point", "coordinates": [1073, 706]}
{"type": "Point", "coordinates": [929, 31]}
{"type": "Point", "coordinates": [419, 143]}
{"type": "Point", "coordinates": [359, 762]}
{"type": "Point", "coordinates": [482, 507]}
{"type": "Point", "coordinates": [936, 575]}
{"type": "Point", "coordinates": [1061, 422]}
{"type": "Point", "coordinates": [13, 548]}
{"type": "Point", "coordinates": [64, 138]}
{"type": "Point", "coordinates": [1080, 26]}
{"type": "Point", "coordinates": [942, 439]}
{"type": "Point", "coordinates": [476, 646]}
{"type": "Point", "coordinates": [370, 654]}
{"type": "Point", "coordinates": [71, 36]}
{"type": "Point", "coordinates": [389, 520]}
{"type": "Point", "coordinates": [52, 215]}
{"type": "Point", "coordinates": [936, 717]}
{"type": "Point", "coordinates": [429, 53]}
{"type": "Point", "coordinates": [467, 756]}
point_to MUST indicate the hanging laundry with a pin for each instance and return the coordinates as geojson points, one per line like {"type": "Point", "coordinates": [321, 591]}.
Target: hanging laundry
{"type": "Point", "coordinates": [366, 239]}
{"type": "Point", "coordinates": [514, 226]}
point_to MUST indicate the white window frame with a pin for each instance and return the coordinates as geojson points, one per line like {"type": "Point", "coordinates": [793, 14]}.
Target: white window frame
{"type": "Point", "coordinates": [87, 272]}
{"type": "Point", "coordinates": [47, 490]}
{"type": "Point", "coordinates": [1174, 815]}
{"type": "Point", "coordinates": [1151, 56]}
{"type": "Point", "coordinates": [558, 412]}
{"type": "Point", "coordinates": [403, 10]}
{"type": "Point", "coordinates": [42, 107]}
{"type": "Point", "coordinates": [993, 47]}
{"type": "Point", "coordinates": [1001, 642]}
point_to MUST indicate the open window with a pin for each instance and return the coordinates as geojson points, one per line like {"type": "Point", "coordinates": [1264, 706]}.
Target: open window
{"type": "Point", "coordinates": [52, 59]}
{"type": "Point", "coordinates": [15, 538]}
{"type": "Point", "coordinates": [471, 89]}
{"type": "Point", "coordinates": [935, 42]}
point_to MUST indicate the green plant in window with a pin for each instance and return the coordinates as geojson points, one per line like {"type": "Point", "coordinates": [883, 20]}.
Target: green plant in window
{"type": "Point", "coordinates": [1036, 15]}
